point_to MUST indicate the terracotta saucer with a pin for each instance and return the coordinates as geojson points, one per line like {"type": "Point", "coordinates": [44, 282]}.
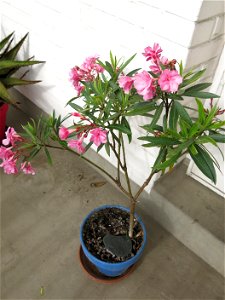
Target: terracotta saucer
{"type": "Point", "coordinates": [94, 274]}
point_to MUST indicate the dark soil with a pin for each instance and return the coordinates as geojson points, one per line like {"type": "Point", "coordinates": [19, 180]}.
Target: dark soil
{"type": "Point", "coordinates": [112, 221]}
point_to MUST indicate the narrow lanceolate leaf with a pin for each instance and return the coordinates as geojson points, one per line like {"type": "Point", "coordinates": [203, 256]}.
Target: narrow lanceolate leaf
{"type": "Point", "coordinates": [4, 95]}
{"type": "Point", "coordinates": [11, 81]}
{"type": "Point", "coordinates": [200, 94]}
{"type": "Point", "coordinates": [126, 63]}
{"type": "Point", "coordinates": [48, 156]}
{"type": "Point", "coordinates": [5, 41]}
{"type": "Point", "coordinates": [201, 111]}
{"type": "Point", "coordinates": [204, 162]}
{"type": "Point", "coordinates": [205, 139]}
{"type": "Point", "coordinates": [127, 125]}
{"type": "Point", "coordinates": [173, 118]}
{"type": "Point", "coordinates": [120, 128]}
{"type": "Point", "coordinates": [159, 141]}
{"type": "Point", "coordinates": [181, 69]}
{"type": "Point", "coordinates": [9, 64]}
{"type": "Point", "coordinates": [182, 112]}
{"type": "Point", "coordinates": [107, 149]}
{"type": "Point", "coordinates": [88, 146]}
{"type": "Point", "coordinates": [141, 108]}
{"type": "Point", "coordinates": [157, 115]}
{"type": "Point", "coordinates": [11, 54]}
{"type": "Point", "coordinates": [219, 138]}
{"type": "Point", "coordinates": [160, 158]}
{"type": "Point", "coordinates": [192, 79]}
{"type": "Point", "coordinates": [199, 87]}
{"type": "Point", "coordinates": [168, 163]}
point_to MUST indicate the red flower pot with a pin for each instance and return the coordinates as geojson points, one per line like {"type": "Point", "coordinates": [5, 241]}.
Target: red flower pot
{"type": "Point", "coordinates": [3, 113]}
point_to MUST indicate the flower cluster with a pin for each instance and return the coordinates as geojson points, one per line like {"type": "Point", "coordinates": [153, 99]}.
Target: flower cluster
{"type": "Point", "coordinates": [10, 155]}
{"type": "Point", "coordinates": [87, 72]}
{"type": "Point", "coordinates": [166, 77]}
{"type": "Point", "coordinates": [84, 129]}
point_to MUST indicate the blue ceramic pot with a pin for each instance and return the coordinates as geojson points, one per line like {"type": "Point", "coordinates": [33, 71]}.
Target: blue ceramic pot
{"type": "Point", "coordinates": [118, 268]}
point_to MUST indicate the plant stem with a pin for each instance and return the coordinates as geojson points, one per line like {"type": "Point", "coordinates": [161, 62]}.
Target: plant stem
{"type": "Point", "coordinates": [144, 185]}
{"type": "Point", "coordinates": [118, 159]}
{"type": "Point", "coordinates": [125, 169]}
{"type": "Point", "coordinates": [131, 223]}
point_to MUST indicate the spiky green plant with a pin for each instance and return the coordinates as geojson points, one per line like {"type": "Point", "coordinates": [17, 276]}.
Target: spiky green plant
{"type": "Point", "coordinates": [9, 65]}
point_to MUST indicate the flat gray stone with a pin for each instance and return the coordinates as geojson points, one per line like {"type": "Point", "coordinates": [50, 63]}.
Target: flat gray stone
{"type": "Point", "coordinates": [119, 245]}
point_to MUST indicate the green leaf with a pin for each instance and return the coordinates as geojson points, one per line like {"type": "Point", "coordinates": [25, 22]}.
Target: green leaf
{"type": "Point", "coordinates": [5, 40]}
{"type": "Point", "coordinates": [12, 81]}
{"type": "Point", "coordinates": [160, 158]}
{"type": "Point", "coordinates": [175, 96]}
{"type": "Point", "coordinates": [201, 111]}
{"type": "Point", "coordinates": [211, 115]}
{"type": "Point", "coordinates": [48, 156]}
{"type": "Point", "coordinates": [184, 128]}
{"type": "Point", "coordinates": [157, 115]}
{"type": "Point", "coordinates": [123, 66]}
{"type": "Point", "coordinates": [199, 87]}
{"type": "Point", "coordinates": [33, 153]}
{"type": "Point", "coordinates": [160, 141]}
{"type": "Point", "coordinates": [120, 128]}
{"type": "Point", "coordinates": [112, 60]}
{"type": "Point", "coordinates": [6, 65]}
{"type": "Point", "coordinates": [192, 149]}
{"type": "Point", "coordinates": [204, 162]}
{"type": "Point", "coordinates": [26, 146]}
{"type": "Point", "coordinates": [219, 138]}
{"type": "Point", "coordinates": [107, 148]}
{"type": "Point", "coordinates": [71, 100]}
{"type": "Point", "coordinates": [182, 112]}
{"type": "Point", "coordinates": [29, 131]}
{"type": "Point", "coordinates": [133, 72]}
{"type": "Point", "coordinates": [194, 129]}
{"type": "Point", "coordinates": [141, 108]}
{"type": "Point", "coordinates": [100, 147]}
{"type": "Point", "coordinates": [127, 125]}
{"type": "Point", "coordinates": [193, 78]}
{"type": "Point", "coordinates": [88, 146]}
{"type": "Point", "coordinates": [181, 69]}
{"type": "Point", "coordinates": [217, 125]}
{"type": "Point", "coordinates": [4, 95]}
{"type": "Point", "coordinates": [168, 163]}
{"type": "Point", "coordinates": [173, 118]}
{"type": "Point", "coordinates": [199, 94]}
{"type": "Point", "coordinates": [11, 54]}
{"type": "Point", "coordinates": [205, 139]}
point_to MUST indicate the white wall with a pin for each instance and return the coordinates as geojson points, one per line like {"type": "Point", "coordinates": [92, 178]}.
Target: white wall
{"type": "Point", "coordinates": [63, 33]}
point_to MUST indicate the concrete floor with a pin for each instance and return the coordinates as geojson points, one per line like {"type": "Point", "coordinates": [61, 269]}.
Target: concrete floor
{"type": "Point", "coordinates": [40, 217]}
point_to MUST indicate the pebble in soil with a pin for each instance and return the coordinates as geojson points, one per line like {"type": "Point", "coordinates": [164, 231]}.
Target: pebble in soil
{"type": "Point", "coordinates": [105, 223]}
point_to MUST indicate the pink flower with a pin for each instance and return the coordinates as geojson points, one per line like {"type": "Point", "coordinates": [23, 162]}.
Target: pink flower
{"type": "Point", "coordinates": [152, 53]}
{"type": "Point", "coordinates": [27, 168]}
{"type": "Point", "coordinates": [169, 81]}
{"type": "Point", "coordinates": [156, 65]}
{"type": "Point", "coordinates": [76, 114]}
{"type": "Point", "coordinates": [77, 144]}
{"type": "Point", "coordinates": [155, 68]}
{"type": "Point", "coordinates": [126, 82]}
{"type": "Point", "coordinates": [65, 132]}
{"type": "Point", "coordinates": [5, 153]}
{"type": "Point", "coordinates": [90, 64]}
{"type": "Point", "coordinates": [11, 137]}
{"type": "Point", "coordinates": [9, 166]}
{"type": "Point", "coordinates": [98, 136]}
{"type": "Point", "coordinates": [143, 83]}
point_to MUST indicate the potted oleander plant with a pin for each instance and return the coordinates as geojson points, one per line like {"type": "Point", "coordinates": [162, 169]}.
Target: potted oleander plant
{"type": "Point", "coordinates": [9, 65]}
{"type": "Point", "coordinates": [108, 97]}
